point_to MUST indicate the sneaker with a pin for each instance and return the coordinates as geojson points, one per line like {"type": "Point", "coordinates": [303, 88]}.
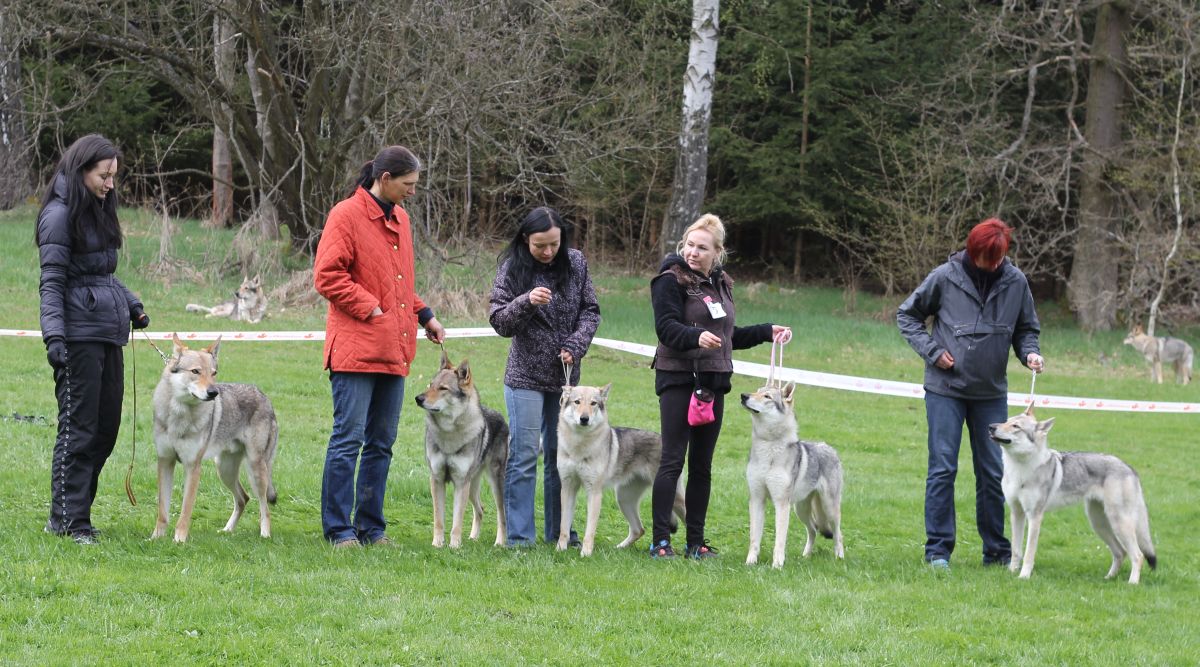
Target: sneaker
{"type": "Point", "coordinates": [574, 542]}
{"type": "Point", "coordinates": [383, 541]}
{"type": "Point", "coordinates": [86, 538]}
{"type": "Point", "coordinates": [701, 551]}
{"type": "Point", "coordinates": [662, 549]}
{"type": "Point", "coordinates": [940, 564]}
{"type": "Point", "coordinates": [347, 543]}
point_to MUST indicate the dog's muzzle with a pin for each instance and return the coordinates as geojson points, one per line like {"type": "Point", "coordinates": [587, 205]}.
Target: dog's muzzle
{"type": "Point", "coordinates": [211, 393]}
{"type": "Point", "coordinates": [1000, 440]}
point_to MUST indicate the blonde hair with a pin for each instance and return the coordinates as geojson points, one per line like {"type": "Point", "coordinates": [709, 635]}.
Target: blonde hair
{"type": "Point", "coordinates": [713, 225]}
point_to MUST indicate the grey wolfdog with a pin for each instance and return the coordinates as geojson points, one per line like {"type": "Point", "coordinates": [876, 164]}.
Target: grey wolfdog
{"type": "Point", "coordinates": [1158, 350]}
{"type": "Point", "coordinates": [789, 471]}
{"type": "Point", "coordinates": [197, 418]}
{"type": "Point", "coordinates": [1038, 479]}
{"type": "Point", "coordinates": [595, 455]}
{"type": "Point", "coordinates": [463, 442]}
{"type": "Point", "coordinates": [249, 303]}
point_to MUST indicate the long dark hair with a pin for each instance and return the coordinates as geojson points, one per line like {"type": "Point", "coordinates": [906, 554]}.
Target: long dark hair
{"type": "Point", "coordinates": [521, 264]}
{"type": "Point", "coordinates": [393, 160]}
{"type": "Point", "coordinates": [79, 158]}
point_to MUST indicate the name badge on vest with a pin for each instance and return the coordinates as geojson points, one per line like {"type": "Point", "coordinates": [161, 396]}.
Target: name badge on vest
{"type": "Point", "coordinates": [714, 308]}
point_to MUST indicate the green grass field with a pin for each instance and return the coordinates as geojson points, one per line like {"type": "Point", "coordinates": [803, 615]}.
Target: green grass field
{"type": "Point", "coordinates": [238, 599]}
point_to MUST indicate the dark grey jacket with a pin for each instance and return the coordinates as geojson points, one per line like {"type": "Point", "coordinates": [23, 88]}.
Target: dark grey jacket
{"type": "Point", "coordinates": [978, 335]}
{"type": "Point", "coordinates": [568, 323]}
{"type": "Point", "coordinates": [82, 301]}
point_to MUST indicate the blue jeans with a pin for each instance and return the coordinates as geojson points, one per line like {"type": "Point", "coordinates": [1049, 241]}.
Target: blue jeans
{"type": "Point", "coordinates": [946, 416]}
{"type": "Point", "coordinates": [532, 417]}
{"type": "Point", "coordinates": [366, 413]}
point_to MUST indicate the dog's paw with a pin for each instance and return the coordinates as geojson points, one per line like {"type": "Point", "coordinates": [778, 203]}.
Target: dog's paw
{"type": "Point", "coordinates": [585, 550]}
{"type": "Point", "coordinates": [439, 541]}
{"type": "Point", "coordinates": [561, 545]}
{"type": "Point", "coordinates": [777, 564]}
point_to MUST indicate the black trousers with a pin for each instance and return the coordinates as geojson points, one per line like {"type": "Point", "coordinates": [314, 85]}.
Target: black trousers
{"type": "Point", "coordinates": [697, 444]}
{"type": "Point", "coordinates": [89, 390]}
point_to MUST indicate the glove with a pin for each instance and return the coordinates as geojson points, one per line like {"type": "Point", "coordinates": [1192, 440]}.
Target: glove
{"type": "Point", "coordinates": [139, 318]}
{"type": "Point", "coordinates": [56, 353]}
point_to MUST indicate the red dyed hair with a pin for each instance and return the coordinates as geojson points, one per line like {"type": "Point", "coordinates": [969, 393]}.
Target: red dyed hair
{"type": "Point", "coordinates": [987, 244]}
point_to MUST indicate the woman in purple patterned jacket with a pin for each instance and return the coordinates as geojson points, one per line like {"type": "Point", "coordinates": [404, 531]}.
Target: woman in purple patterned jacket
{"type": "Point", "coordinates": [543, 300]}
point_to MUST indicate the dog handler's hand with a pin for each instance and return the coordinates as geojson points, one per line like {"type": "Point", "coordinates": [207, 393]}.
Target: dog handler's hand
{"type": "Point", "coordinates": [709, 340]}
{"type": "Point", "coordinates": [780, 333]}
{"type": "Point", "coordinates": [945, 362]}
{"type": "Point", "coordinates": [434, 330]}
{"type": "Point", "coordinates": [539, 296]}
{"type": "Point", "coordinates": [1035, 362]}
{"type": "Point", "coordinates": [138, 318]}
{"type": "Point", "coordinates": [56, 353]}
{"type": "Point", "coordinates": [566, 357]}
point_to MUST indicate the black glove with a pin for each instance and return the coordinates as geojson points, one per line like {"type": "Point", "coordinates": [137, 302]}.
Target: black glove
{"type": "Point", "coordinates": [56, 353]}
{"type": "Point", "coordinates": [139, 318]}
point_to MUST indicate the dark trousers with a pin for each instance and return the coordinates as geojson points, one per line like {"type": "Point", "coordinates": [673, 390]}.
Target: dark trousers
{"type": "Point", "coordinates": [946, 417]}
{"type": "Point", "coordinates": [697, 443]}
{"type": "Point", "coordinates": [89, 390]}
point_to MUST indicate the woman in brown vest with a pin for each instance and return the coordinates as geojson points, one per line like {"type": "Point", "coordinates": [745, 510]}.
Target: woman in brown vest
{"type": "Point", "coordinates": [694, 319]}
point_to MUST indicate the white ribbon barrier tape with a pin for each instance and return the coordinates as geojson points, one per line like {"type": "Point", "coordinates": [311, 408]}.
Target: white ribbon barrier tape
{"type": "Point", "coordinates": [811, 378]}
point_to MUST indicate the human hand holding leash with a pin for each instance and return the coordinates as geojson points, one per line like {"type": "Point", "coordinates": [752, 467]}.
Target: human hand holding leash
{"type": "Point", "coordinates": [781, 334]}
{"type": "Point", "coordinates": [434, 330]}
{"type": "Point", "coordinates": [1035, 362]}
{"type": "Point", "coordinates": [138, 318]}
{"type": "Point", "coordinates": [566, 357]}
{"type": "Point", "coordinates": [56, 353]}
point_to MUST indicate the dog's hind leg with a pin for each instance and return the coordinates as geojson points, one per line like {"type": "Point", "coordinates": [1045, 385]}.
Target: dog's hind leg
{"type": "Point", "coordinates": [1124, 524]}
{"type": "Point", "coordinates": [227, 469]}
{"type": "Point", "coordinates": [804, 512]}
{"type": "Point", "coordinates": [259, 473]}
{"type": "Point", "coordinates": [679, 508]}
{"type": "Point", "coordinates": [476, 508]}
{"type": "Point", "coordinates": [496, 480]}
{"type": "Point", "coordinates": [1095, 514]}
{"type": "Point", "coordinates": [831, 523]}
{"type": "Point", "coordinates": [629, 495]}
{"type": "Point", "coordinates": [166, 483]}
{"type": "Point", "coordinates": [191, 482]}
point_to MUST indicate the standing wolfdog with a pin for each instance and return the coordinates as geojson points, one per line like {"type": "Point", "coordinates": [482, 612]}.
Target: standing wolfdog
{"type": "Point", "coordinates": [595, 455]}
{"type": "Point", "coordinates": [1038, 479]}
{"type": "Point", "coordinates": [1157, 350]}
{"type": "Point", "coordinates": [789, 471]}
{"type": "Point", "coordinates": [463, 441]}
{"type": "Point", "coordinates": [197, 418]}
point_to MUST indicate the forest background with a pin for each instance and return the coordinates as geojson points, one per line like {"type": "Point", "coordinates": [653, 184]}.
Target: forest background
{"type": "Point", "coordinates": [851, 143]}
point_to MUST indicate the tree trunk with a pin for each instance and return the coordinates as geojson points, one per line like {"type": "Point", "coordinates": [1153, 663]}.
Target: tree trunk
{"type": "Point", "coordinates": [798, 250]}
{"type": "Point", "coordinates": [224, 60]}
{"type": "Point", "coordinates": [14, 145]}
{"type": "Point", "coordinates": [1094, 269]}
{"type": "Point", "coordinates": [691, 166]}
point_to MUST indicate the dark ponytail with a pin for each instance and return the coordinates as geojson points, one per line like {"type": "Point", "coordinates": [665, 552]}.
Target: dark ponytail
{"type": "Point", "coordinates": [393, 160]}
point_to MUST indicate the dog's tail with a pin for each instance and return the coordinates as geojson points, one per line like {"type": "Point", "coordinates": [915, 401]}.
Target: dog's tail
{"type": "Point", "coordinates": [197, 308]}
{"type": "Point", "coordinates": [679, 508]}
{"type": "Point", "coordinates": [1143, 536]}
{"type": "Point", "coordinates": [271, 495]}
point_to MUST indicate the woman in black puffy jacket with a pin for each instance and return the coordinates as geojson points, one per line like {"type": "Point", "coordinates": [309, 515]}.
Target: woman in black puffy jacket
{"type": "Point", "coordinates": [86, 314]}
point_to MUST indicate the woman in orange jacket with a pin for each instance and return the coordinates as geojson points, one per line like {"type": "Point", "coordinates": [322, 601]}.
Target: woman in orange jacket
{"type": "Point", "coordinates": [364, 267]}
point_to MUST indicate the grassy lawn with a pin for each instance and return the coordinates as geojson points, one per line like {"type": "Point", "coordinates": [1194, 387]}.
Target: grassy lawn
{"type": "Point", "coordinates": [238, 599]}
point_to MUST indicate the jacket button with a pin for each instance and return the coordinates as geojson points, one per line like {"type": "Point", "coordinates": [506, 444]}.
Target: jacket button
{"type": "Point", "coordinates": [395, 247]}
{"type": "Point", "coordinates": [405, 334]}
{"type": "Point", "coordinates": [402, 306]}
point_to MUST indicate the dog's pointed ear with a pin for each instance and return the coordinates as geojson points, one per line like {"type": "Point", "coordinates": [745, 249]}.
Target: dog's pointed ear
{"type": "Point", "coordinates": [604, 391]}
{"type": "Point", "coordinates": [1044, 427]}
{"type": "Point", "coordinates": [214, 348]}
{"type": "Point", "coordinates": [1029, 410]}
{"type": "Point", "coordinates": [446, 365]}
{"type": "Point", "coordinates": [789, 392]}
{"type": "Point", "coordinates": [463, 372]}
{"type": "Point", "coordinates": [257, 279]}
{"type": "Point", "coordinates": [177, 346]}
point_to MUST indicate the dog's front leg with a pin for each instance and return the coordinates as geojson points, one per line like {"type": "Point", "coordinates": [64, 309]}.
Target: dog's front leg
{"type": "Point", "coordinates": [462, 496]}
{"type": "Point", "coordinates": [191, 482]}
{"type": "Point", "coordinates": [437, 489]}
{"type": "Point", "coordinates": [1156, 372]}
{"type": "Point", "coordinates": [758, 515]}
{"type": "Point", "coordinates": [595, 499]}
{"type": "Point", "coordinates": [1018, 535]}
{"type": "Point", "coordinates": [568, 494]}
{"type": "Point", "coordinates": [1035, 529]}
{"type": "Point", "coordinates": [166, 482]}
{"type": "Point", "coordinates": [782, 517]}
{"type": "Point", "coordinates": [476, 508]}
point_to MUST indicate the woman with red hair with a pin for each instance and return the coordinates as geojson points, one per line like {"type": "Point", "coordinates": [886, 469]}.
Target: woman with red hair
{"type": "Point", "coordinates": [980, 305]}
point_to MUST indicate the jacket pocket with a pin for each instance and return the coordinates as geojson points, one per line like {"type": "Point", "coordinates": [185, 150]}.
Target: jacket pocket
{"type": "Point", "coordinates": [982, 350]}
